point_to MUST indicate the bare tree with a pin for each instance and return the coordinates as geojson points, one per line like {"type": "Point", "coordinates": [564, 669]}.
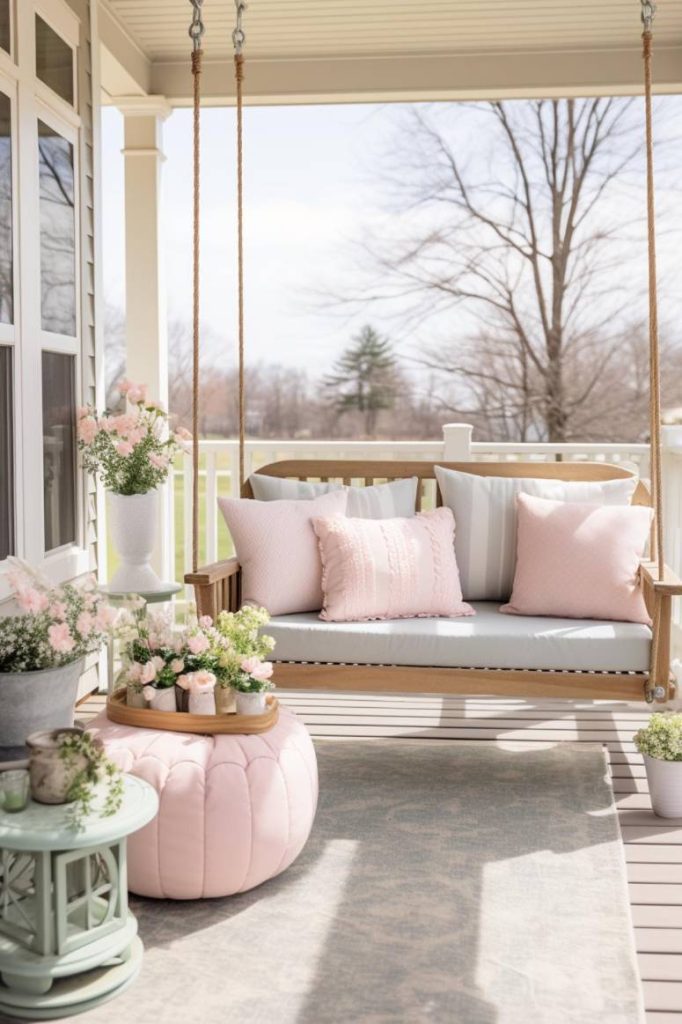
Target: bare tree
{"type": "Point", "coordinates": [520, 242]}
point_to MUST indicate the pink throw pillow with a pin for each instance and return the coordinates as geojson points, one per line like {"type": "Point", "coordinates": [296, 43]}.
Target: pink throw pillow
{"type": "Point", "coordinates": [277, 549]}
{"type": "Point", "coordinates": [579, 561]}
{"type": "Point", "coordinates": [389, 568]}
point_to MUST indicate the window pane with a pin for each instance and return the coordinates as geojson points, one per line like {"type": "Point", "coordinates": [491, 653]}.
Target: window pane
{"type": "Point", "coordinates": [5, 27]}
{"type": "Point", "coordinates": [6, 455]}
{"type": "Point", "coordinates": [57, 233]}
{"type": "Point", "coordinates": [6, 260]}
{"type": "Point", "coordinates": [59, 449]}
{"type": "Point", "coordinates": [54, 61]}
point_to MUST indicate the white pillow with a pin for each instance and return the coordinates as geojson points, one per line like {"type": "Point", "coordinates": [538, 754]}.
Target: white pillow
{"type": "Point", "coordinates": [396, 499]}
{"type": "Point", "coordinates": [485, 521]}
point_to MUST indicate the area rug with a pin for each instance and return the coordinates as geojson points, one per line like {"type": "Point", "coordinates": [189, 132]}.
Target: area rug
{"type": "Point", "coordinates": [457, 883]}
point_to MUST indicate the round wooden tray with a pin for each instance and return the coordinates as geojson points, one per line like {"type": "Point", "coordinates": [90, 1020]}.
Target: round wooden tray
{"type": "Point", "coordinates": [181, 721]}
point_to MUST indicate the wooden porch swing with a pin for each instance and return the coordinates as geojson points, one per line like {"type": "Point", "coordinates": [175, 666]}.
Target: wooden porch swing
{"type": "Point", "coordinates": [218, 587]}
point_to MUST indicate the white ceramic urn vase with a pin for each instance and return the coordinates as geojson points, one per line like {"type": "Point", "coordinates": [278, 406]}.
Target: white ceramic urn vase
{"type": "Point", "coordinates": [665, 786]}
{"type": "Point", "coordinates": [132, 524]}
{"type": "Point", "coordinates": [251, 703]}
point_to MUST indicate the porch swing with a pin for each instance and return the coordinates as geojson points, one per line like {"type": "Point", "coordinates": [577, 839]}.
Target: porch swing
{"type": "Point", "coordinates": [359, 656]}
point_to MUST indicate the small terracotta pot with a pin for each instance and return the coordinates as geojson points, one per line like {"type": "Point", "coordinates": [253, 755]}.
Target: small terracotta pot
{"type": "Point", "coordinates": [225, 703]}
{"type": "Point", "coordinates": [51, 775]}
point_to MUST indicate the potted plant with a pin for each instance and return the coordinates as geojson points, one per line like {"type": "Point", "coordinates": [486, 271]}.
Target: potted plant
{"type": "Point", "coordinates": [660, 742]}
{"type": "Point", "coordinates": [133, 453]}
{"type": "Point", "coordinates": [236, 637]}
{"type": "Point", "coordinates": [70, 766]}
{"type": "Point", "coordinates": [251, 686]}
{"type": "Point", "coordinates": [168, 662]}
{"type": "Point", "coordinates": [42, 650]}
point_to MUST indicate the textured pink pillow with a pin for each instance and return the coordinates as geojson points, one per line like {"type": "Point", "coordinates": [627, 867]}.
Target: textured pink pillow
{"type": "Point", "coordinates": [277, 549]}
{"type": "Point", "coordinates": [389, 568]}
{"type": "Point", "coordinates": [579, 561]}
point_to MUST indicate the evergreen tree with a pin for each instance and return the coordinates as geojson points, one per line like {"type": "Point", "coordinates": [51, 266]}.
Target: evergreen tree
{"type": "Point", "coordinates": [364, 378]}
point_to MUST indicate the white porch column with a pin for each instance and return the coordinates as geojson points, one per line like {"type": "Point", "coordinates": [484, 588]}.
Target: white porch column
{"type": "Point", "coordinates": [146, 333]}
{"type": "Point", "coordinates": [457, 442]}
{"type": "Point", "coordinates": [146, 343]}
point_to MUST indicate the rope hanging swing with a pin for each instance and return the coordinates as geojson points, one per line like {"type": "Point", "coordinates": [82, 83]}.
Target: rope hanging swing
{"type": "Point", "coordinates": [196, 32]}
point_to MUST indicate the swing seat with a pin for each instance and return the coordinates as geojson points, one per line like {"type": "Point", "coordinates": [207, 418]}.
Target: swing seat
{"type": "Point", "coordinates": [489, 653]}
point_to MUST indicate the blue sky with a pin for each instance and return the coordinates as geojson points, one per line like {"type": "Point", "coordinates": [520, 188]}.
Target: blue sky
{"type": "Point", "coordinates": [309, 192]}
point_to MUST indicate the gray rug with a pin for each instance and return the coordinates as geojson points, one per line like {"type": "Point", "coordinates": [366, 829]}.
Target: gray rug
{"type": "Point", "coordinates": [443, 882]}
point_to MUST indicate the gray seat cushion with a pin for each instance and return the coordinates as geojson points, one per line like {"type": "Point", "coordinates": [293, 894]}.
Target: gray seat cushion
{"type": "Point", "coordinates": [486, 640]}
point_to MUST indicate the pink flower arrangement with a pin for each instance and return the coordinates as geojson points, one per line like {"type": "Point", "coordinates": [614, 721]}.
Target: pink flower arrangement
{"type": "Point", "coordinates": [55, 625]}
{"type": "Point", "coordinates": [132, 451]}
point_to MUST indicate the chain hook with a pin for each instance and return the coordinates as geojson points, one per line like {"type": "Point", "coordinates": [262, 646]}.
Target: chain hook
{"type": "Point", "coordinates": [648, 14]}
{"type": "Point", "coordinates": [197, 28]}
{"type": "Point", "coordinates": [239, 36]}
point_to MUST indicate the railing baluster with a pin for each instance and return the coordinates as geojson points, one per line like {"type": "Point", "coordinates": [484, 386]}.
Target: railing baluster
{"type": "Point", "coordinates": [211, 508]}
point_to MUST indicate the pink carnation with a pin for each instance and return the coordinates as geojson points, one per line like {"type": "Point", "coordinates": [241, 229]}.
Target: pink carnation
{"type": "Point", "coordinates": [85, 623]}
{"type": "Point", "coordinates": [201, 681]}
{"type": "Point", "coordinates": [83, 411]}
{"type": "Point", "coordinates": [124, 385]}
{"type": "Point", "coordinates": [184, 681]}
{"type": "Point", "coordinates": [58, 610]}
{"type": "Point", "coordinates": [177, 665]}
{"type": "Point", "coordinates": [158, 461]}
{"type": "Point", "coordinates": [137, 394]}
{"type": "Point", "coordinates": [60, 638]}
{"type": "Point", "coordinates": [87, 429]}
{"type": "Point", "coordinates": [256, 668]}
{"type": "Point", "coordinates": [148, 693]}
{"type": "Point", "coordinates": [124, 448]}
{"type": "Point", "coordinates": [205, 621]}
{"type": "Point", "coordinates": [32, 601]}
{"type": "Point", "coordinates": [105, 617]}
{"type": "Point", "coordinates": [198, 644]}
{"type": "Point", "coordinates": [148, 673]}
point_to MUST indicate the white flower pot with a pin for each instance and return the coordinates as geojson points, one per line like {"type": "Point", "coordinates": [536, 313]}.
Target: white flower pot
{"type": "Point", "coordinates": [132, 524]}
{"type": "Point", "coordinates": [30, 701]}
{"type": "Point", "coordinates": [202, 702]}
{"type": "Point", "coordinates": [163, 699]}
{"type": "Point", "coordinates": [251, 703]}
{"type": "Point", "coordinates": [665, 786]}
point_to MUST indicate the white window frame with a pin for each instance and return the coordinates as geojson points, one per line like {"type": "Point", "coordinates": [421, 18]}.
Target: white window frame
{"type": "Point", "coordinates": [35, 101]}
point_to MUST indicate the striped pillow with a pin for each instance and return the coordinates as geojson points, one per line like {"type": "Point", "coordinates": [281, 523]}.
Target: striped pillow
{"type": "Point", "coordinates": [485, 521]}
{"type": "Point", "coordinates": [395, 500]}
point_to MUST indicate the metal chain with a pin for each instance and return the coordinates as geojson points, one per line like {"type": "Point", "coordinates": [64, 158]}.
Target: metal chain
{"type": "Point", "coordinates": [239, 36]}
{"type": "Point", "coordinates": [196, 29]}
{"type": "Point", "coordinates": [648, 14]}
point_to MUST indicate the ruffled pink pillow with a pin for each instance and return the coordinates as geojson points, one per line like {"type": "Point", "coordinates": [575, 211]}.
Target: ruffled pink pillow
{"type": "Point", "coordinates": [579, 561]}
{"type": "Point", "coordinates": [277, 549]}
{"type": "Point", "coordinates": [389, 568]}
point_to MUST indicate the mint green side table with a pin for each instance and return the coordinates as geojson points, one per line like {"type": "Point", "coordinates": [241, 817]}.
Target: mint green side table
{"type": "Point", "coordinates": [67, 938]}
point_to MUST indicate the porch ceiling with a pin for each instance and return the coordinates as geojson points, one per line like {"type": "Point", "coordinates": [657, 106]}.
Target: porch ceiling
{"type": "Point", "coordinates": [312, 50]}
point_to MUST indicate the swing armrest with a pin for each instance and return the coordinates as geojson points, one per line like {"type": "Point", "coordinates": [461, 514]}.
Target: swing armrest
{"type": "Point", "coordinates": [213, 573]}
{"type": "Point", "coordinates": [671, 584]}
{"type": "Point", "coordinates": [217, 587]}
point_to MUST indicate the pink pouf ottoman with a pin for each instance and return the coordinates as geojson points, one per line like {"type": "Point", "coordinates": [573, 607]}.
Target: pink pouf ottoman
{"type": "Point", "coordinates": [233, 810]}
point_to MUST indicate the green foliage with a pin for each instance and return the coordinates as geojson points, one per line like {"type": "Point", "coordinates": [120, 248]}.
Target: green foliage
{"type": "Point", "coordinates": [662, 737]}
{"type": "Point", "coordinates": [98, 770]}
{"type": "Point", "coordinates": [365, 378]}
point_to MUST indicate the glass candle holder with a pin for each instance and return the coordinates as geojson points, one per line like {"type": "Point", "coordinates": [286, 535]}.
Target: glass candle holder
{"type": "Point", "coordinates": [14, 790]}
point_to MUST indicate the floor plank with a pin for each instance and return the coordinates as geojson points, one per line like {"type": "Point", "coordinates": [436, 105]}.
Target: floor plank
{"type": "Point", "coordinates": [652, 846]}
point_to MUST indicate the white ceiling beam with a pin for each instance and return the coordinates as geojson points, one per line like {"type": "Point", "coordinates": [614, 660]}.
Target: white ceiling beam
{"type": "Point", "coordinates": [428, 77]}
{"type": "Point", "coordinates": [125, 68]}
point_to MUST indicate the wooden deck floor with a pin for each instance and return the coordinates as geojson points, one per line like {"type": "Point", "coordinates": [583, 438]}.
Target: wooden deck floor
{"type": "Point", "coordinates": [653, 848]}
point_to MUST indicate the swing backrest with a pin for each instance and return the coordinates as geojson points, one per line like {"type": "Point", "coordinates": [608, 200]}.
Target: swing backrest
{"type": "Point", "coordinates": [366, 473]}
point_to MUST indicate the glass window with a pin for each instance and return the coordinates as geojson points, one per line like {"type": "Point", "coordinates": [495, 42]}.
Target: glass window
{"type": "Point", "coordinates": [59, 449]}
{"type": "Point", "coordinates": [6, 454]}
{"type": "Point", "coordinates": [57, 233]}
{"type": "Point", "coordinates": [6, 255]}
{"type": "Point", "coordinates": [5, 26]}
{"type": "Point", "coordinates": [54, 60]}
